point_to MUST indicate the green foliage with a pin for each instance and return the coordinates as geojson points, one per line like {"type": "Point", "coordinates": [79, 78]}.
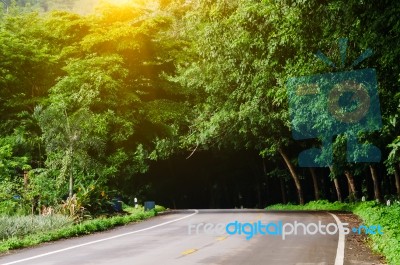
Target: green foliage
{"type": "Point", "coordinates": [388, 218]}
{"type": "Point", "coordinates": [234, 57]}
{"type": "Point", "coordinates": [13, 207]}
{"type": "Point", "coordinates": [85, 99]}
{"type": "Point", "coordinates": [140, 208]}
{"type": "Point", "coordinates": [87, 102]}
{"type": "Point", "coordinates": [11, 178]}
{"type": "Point", "coordinates": [9, 163]}
{"type": "Point", "coordinates": [20, 226]}
{"type": "Point", "coordinates": [321, 205]}
{"type": "Point", "coordinates": [83, 228]}
{"type": "Point", "coordinates": [159, 208]}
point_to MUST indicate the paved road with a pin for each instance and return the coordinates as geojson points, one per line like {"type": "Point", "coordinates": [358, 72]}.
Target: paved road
{"type": "Point", "coordinates": [165, 240]}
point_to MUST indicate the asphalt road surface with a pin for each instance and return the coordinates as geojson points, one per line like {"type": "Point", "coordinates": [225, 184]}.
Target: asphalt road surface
{"type": "Point", "coordinates": [180, 239]}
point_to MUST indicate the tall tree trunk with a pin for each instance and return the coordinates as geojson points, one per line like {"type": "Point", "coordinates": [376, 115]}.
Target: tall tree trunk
{"type": "Point", "coordinates": [352, 186]}
{"type": "Point", "coordinates": [26, 179]}
{"type": "Point", "coordinates": [397, 179]}
{"type": "Point", "coordinates": [71, 175]}
{"type": "Point", "coordinates": [374, 176]}
{"type": "Point", "coordinates": [315, 182]}
{"type": "Point", "coordinates": [283, 191]}
{"type": "Point", "coordinates": [71, 186]}
{"type": "Point", "coordinates": [337, 186]}
{"type": "Point", "coordinates": [294, 176]}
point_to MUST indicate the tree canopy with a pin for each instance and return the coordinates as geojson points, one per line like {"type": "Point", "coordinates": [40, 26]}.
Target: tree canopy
{"type": "Point", "coordinates": [89, 103]}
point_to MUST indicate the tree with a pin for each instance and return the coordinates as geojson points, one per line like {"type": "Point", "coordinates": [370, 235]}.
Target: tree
{"type": "Point", "coordinates": [111, 111]}
{"type": "Point", "coordinates": [240, 58]}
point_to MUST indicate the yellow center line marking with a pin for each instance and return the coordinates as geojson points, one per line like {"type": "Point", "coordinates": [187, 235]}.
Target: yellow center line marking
{"type": "Point", "coordinates": [189, 251]}
{"type": "Point", "coordinates": [222, 238]}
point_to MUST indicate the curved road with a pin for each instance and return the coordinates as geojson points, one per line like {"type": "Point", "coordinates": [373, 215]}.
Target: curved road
{"type": "Point", "coordinates": [180, 238]}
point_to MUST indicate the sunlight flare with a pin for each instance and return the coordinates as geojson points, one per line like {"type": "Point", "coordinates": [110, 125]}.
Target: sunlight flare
{"type": "Point", "coordinates": [119, 2]}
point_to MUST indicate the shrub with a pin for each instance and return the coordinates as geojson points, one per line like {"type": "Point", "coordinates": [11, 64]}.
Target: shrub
{"type": "Point", "coordinates": [54, 229]}
{"type": "Point", "coordinates": [17, 226]}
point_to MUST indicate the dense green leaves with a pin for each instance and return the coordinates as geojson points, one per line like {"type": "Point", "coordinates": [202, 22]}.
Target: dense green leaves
{"type": "Point", "coordinates": [92, 91]}
{"type": "Point", "coordinates": [89, 101]}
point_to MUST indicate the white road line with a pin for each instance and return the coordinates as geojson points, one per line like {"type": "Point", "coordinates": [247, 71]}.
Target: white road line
{"type": "Point", "coordinates": [98, 241]}
{"type": "Point", "coordinates": [340, 248]}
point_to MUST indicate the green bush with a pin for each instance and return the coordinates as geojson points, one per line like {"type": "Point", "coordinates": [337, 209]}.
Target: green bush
{"type": "Point", "coordinates": [17, 226]}
{"type": "Point", "coordinates": [13, 207]}
{"type": "Point", "coordinates": [86, 227]}
{"type": "Point", "coordinates": [8, 207]}
{"type": "Point", "coordinates": [160, 208]}
{"type": "Point", "coordinates": [322, 205]}
{"type": "Point", "coordinates": [388, 217]}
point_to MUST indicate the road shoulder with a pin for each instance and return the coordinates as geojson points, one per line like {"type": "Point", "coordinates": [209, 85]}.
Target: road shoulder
{"type": "Point", "coordinates": [357, 247]}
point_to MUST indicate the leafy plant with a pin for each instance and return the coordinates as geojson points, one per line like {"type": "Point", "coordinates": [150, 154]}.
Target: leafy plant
{"type": "Point", "coordinates": [44, 229]}
{"type": "Point", "coordinates": [19, 226]}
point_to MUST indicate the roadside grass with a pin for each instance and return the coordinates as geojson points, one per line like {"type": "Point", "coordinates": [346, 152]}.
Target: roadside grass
{"type": "Point", "coordinates": [41, 232]}
{"type": "Point", "coordinates": [371, 213]}
{"type": "Point", "coordinates": [16, 226]}
{"type": "Point", "coordinates": [322, 205]}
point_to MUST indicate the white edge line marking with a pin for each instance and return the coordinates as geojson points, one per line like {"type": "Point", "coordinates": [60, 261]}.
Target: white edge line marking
{"type": "Point", "coordinates": [340, 248]}
{"type": "Point", "coordinates": [98, 241]}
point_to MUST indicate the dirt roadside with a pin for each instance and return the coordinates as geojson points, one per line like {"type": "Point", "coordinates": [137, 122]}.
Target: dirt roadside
{"type": "Point", "coordinates": [357, 249]}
